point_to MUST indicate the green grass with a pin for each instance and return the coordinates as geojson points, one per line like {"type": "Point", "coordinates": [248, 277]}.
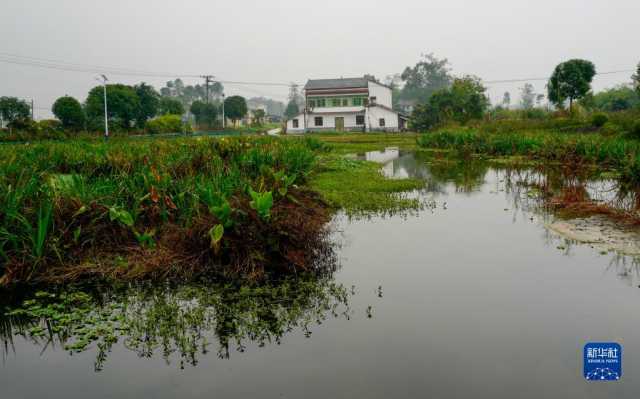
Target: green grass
{"type": "Point", "coordinates": [606, 152]}
{"type": "Point", "coordinates": [358, 187]}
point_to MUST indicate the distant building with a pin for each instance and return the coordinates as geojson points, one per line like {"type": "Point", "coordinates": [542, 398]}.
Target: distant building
{"type": "Point", "coordinates": [347, 104]}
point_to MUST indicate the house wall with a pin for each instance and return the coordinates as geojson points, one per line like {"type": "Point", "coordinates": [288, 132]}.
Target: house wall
{"type": "Point", "coordinates": [373, 120]}
{"type": "Point", "coordinates": [328, 122]}
{"type": "Point", "coordinates": [382, 94]}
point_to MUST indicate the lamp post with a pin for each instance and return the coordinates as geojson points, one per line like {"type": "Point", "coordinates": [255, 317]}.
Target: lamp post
{"type": "Point", "coordinates": [224, 120]}
{"type": "Point", "coordinates": [106, 119]}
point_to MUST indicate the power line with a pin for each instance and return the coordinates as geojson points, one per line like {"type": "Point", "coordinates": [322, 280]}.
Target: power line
{"type": "Point", "coordinates": [74, 67]}
{"type": "Point", "coordinates": [547, 78]}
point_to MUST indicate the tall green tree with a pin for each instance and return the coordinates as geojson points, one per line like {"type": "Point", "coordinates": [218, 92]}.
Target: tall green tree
{"type": "Point", "coordinates": [258, 116]}
{"type": "Point", "coordinates": [429, 75]}
{"type": "Point", "coordinates": [170, 106]}
{"type": "Point", "coordinates": [149, 103]}
{"type": "Point", "coordinates": [123, 105]}
{"type": "Point", "coordinates": [204, 113]}
{"type": "Point", "coordinates": [463, 101]}
{"type": "Point", "coordinates": [527, 96]}
{"type": "Point", "coordinates": [70, 113]}
{"type": "Point", "coordinates": [636, 79]}
{"type": "Point", "coordinates": [506, 100]}
{"type": "Point", "coordinates": [235, 108]}
{"type": "Point", "coordinates": [292, 110]}
{"type": "Point", "coordinates": [13, 110]}
{"type": "Point", "coordinates": [570, 80]}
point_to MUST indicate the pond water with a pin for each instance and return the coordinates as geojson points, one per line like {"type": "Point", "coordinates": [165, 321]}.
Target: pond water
{"type": "Point", "coordinates": [471, 297]}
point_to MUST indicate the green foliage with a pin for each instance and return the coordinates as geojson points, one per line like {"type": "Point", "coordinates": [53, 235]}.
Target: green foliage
{"type": "Point", "coordinates": [108, 196]}
{"type": "Point", "coordinates": [204, 113]}
{"type": "Point", "coordinates": [428, 76]}
{"type": "Point", "coordinates": [635, 130]}
{"type": "Point", "coordinates": [636, 80]}
{"type": "Point", "coordinates": [570, 80]}
{"type": "Point", "coordinates": [527, 96]}
{"type": "Point", "coordinates": [599, 119]}
{"type": "Point", "coordinates": [121, 216]}
{"type": "Point", "coordinates": [258, 117]}
{"type": "Point", "coordinates": [149, 103]}
{"type": "Point", "coordinates": [216, 233]}
{"type": "Point", "coordinates": [69, 111]}
{"type": "Point", "coordinates": [261, 203]}
{"type": "Point", "coordinates": [292, 110]}
{"type": "Point", "coordinates": [463, 101]}
{"type": "Point", "coordinates": [170, 106]}
{"type": "Point", "coordinates": [14, 110]}
{"type": "Point", "coordinates": [123, 106]}
{"type": "Point", "coordinates": [164, 124]}
{"type": "Point", "coordinates": [619, 98]}
{"type": "Point", "coordinates": [235, 108]}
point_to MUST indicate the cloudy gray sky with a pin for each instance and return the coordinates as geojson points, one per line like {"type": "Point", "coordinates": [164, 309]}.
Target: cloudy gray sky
{"type": "Point", "coordinates": [293, 40]}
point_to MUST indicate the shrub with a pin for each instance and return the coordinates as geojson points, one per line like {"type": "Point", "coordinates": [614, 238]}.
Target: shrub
{"type": "Point", "coordinates": [635, 130]}
{"type": "Point", "coordinates": [598, 120]}
{"type": "Point", "coordinates": [164, 124]}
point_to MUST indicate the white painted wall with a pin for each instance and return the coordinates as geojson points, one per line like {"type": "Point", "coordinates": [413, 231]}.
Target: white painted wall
{"type": "Point", "coordinates": [381, 93]}
{"type": "Point", "coordinates": [374, 114]}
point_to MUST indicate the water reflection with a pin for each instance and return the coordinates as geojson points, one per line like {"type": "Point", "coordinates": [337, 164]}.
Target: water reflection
{"type": "Point", "coordinates": [180, 323]}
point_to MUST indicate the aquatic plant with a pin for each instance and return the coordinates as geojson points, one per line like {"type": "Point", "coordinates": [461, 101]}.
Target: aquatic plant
{"type": "Point", "coordinates": [153, 202]}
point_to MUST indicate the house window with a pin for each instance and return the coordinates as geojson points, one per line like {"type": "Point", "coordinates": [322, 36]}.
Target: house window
{"type": "Point", "coordinates": [381, 122]}
{"type": "Point", "coordinates": [373, 99]}
{"type": "Point", "coordinates": [320, 102]}
{"type": "Point", "coordinates": [366, 101]}
{"type": "Point", "coordinates": [312, 104]}
{"type": "Point", "coordinates": [359, 119]}
{"type": "Point", "coordinates": [335, 102]}
{"type": "Point", "coordinates": [318, 120]}
{"type": "Point", "coordinates": [295, 124]}
{"type": "Point", "coordinates": [357, 101]}
{"type": "Point", "coordinates": [345, 102]}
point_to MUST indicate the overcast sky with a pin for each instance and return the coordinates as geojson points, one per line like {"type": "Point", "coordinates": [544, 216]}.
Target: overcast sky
{"type": "Point", "coordinates": [293, 40]}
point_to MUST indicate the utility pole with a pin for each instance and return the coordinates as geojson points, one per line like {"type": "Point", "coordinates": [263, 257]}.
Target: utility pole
{"type": "Point", "coordinates": [207, 79]}
{"type": "Point", "coordinates": [106, 120]}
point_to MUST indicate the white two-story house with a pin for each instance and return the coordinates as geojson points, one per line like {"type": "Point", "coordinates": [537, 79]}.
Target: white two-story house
{"type": "Point", "coordinates": [347, 104]}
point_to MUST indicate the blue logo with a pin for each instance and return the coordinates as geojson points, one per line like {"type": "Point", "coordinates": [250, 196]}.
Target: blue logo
{"type": "Point", "coordinates": [602, 361]}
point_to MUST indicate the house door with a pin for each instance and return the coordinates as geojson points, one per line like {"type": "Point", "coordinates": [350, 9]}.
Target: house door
{"type": "Point", "coordinates": [339, 123]}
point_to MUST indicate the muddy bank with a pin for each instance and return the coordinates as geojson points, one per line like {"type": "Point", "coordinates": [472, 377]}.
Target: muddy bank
{"type": "Point", "coordinates": [600, 232]}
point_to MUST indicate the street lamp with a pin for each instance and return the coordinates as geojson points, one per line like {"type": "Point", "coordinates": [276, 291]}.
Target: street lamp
{"type": "Point", "coordinates": [103, 79]}
{"type": "Point", "coordinates": [224, 122]}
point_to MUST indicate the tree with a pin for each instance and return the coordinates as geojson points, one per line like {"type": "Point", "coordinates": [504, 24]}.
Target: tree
{"type": "Point", "coordinates": [296, 97]}
{"type": "Point", "coordinates": [618, 98]}
{"type": "Point", "coordinates": [506, 100]}
{"type": "Point", "coordinates": [204, 113]}
{"type": "Point", "coordinates": [527, 96]}
{"type": "Point", "coordinates": [426, 77]}
{"type": "Point", "coordinates": [570, 80]}
{"type": "Point", "coordinates": [123, 105]}
{"type": "Point", "coordinates": [539, 99]}
{"type": "Point", "coordinates": [292, 110]}
{"type": "Point", "coordinates": [259, 115]}
{"type": "Point", "coordinates": [235, 108]}
{"type": "Point", "coordinates": [69, 111]}
{"type": "Point", "coordinates": [636, 79]}
{"type": "Point", "coordinates": [170, 106]}
{"type": "Point", "coordinates": [13, 110]}
{"type": "Point", "coordinates": [463, 101]}
{"type": "Point", "coordinates": [149, 103]}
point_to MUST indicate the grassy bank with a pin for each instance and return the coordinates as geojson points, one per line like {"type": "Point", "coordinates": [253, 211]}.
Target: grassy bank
{"type": "Point", "coordinates": [606, 152]}
{"type": "Point", "coordinates": [167, 208]}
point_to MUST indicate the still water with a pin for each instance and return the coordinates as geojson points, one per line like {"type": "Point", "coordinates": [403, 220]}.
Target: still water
{"type": "Point", "coordinates": [470, 297]}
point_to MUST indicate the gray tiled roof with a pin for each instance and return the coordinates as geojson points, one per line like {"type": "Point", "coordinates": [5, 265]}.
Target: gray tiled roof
{"type": "Point", "coordinates": [342, 83]}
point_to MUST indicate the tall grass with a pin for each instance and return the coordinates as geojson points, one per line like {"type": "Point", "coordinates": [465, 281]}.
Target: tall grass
{"type": "Point", "coordinates": [612, 152]}
{"type": "Point", "coordinates": [58, 200]}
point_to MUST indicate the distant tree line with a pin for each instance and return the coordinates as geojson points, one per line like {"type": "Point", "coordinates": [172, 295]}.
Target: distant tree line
{"type": "Point", "coordinates": [130, 108]}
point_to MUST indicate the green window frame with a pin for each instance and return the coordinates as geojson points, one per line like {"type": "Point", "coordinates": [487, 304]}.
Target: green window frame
{"type": "Point", "coordinates": [312, 103]}
{"type": "Point", "coordinates": [345, 102]}
{"type": "Point", "coordinates": [335, 102]}
{"type": "Point", "coordinates": [357, 101]}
